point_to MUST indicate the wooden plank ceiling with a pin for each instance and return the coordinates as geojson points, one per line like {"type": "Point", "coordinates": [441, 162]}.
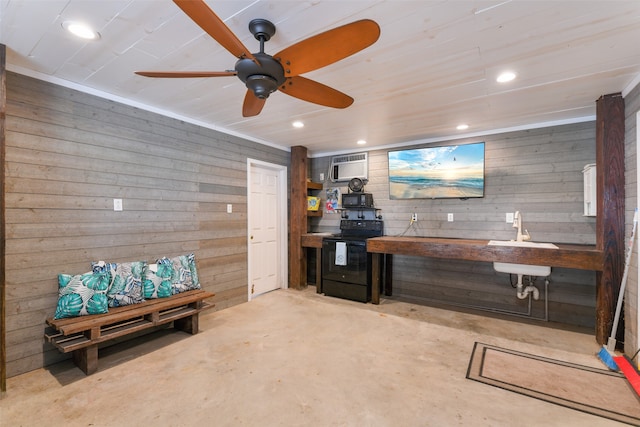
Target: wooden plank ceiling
{"type": "Point", "coordinates": [433, 67]}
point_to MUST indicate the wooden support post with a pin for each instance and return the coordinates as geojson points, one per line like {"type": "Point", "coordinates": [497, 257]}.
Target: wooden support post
{"type": "Point", "coordinates": [3, 327]}
{"type": "Point", "coordinates": [319, 270]}
{"type": "Point", "coordinates": [388, 274]}
{"type": "Point", "coordinates": [153, 317]}
{"type": "Point", "coordinates": [87, 359]}
{"type": "Point", "coordinates": [376, 262]}
{"type": "Point", "coordinates": [610, 225]}
{"type": "Point", "coordinates": [187, 324]}
{"type": "Point", "coordinates": [298, 217]}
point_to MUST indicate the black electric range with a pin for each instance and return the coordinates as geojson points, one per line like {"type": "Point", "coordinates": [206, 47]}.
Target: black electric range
{"type": "Point", "coordinates": [346, 265]}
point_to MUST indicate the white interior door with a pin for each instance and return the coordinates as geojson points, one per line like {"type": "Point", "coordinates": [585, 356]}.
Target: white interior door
{"type": "Point", "coordinates": [266, 208]}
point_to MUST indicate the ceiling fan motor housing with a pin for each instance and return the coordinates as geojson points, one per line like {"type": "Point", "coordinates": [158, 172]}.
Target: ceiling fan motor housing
{"type": "Point", "coordinates": [263, 78]}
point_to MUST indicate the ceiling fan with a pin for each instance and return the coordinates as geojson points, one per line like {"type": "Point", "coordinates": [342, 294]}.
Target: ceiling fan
{"type": "Point", "coordinates": [263, 74]}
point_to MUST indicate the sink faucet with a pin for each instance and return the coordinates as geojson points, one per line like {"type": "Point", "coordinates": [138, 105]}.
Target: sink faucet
{"type": "Point", "coordinates": [517, 223]}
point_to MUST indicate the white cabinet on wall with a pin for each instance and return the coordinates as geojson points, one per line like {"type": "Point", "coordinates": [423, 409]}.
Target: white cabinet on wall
{"type": "Point", "coordinates": [589, 173]}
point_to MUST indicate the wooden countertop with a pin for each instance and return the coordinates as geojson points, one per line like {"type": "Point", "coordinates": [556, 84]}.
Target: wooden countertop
{"type": "Point", "coordinates": [313, 240]}
{"type": "Point", "coordinates": [582, 257]}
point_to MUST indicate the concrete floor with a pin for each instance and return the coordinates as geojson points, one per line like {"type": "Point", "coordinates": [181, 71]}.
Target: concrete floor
{"type": "Point", "coordinates": [296, 358]}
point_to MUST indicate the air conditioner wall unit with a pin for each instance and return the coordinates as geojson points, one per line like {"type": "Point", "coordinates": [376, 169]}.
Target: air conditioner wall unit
{"type": "Point", "coordinates": [348, 166]}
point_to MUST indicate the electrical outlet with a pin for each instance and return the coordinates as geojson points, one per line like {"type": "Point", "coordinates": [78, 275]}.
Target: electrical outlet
{"type": "Point", "coordinates": [450, 217]}
{"type": "Point", "coordinates": [321, 177]}
{"type": "Point", "coordinates": [117, 204]}
{"type": "Point", "coordinates": [510, 217]}
{"type": "Point", "coordinates": [414, 217]}
{"type": "Point", "coordinates": [229, 208]}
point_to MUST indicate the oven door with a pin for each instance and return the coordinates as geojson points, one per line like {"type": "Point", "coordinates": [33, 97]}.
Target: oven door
{"type": "Point", "coordinates": [355, 269]}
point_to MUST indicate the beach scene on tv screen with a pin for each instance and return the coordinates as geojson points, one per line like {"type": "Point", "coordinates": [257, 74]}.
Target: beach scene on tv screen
{"type": "Point", "coordinates": [455, 171]}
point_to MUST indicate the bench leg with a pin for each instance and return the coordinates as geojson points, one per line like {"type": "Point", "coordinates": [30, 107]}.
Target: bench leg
{"type": "Point", "coordinates": [87, 359]}
{"type": "Point", "coordinates": [187, 324]}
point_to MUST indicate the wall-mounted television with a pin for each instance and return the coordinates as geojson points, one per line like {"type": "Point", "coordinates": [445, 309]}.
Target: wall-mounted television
{"type": "Point", "coordinates": [443, 172]}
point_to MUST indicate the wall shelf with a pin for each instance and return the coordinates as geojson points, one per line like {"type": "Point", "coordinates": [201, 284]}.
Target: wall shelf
{"type": "Point", "coordinates": [314, 189]}
{"type": "Point", "coordinates": [314, 185]}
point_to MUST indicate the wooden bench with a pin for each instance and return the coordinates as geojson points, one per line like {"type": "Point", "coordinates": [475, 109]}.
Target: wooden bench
{"type": "Point", "coordinates": [81, 335]}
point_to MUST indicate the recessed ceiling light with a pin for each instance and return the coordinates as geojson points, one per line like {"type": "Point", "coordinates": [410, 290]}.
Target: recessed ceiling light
{"type": "Point", "coordinates": [80, 30]}
{"type": "Point", "coordinates": [361, 142]}
{"type": "Point", "coordinates": [462, 127]}
{"type": "Point", "coordinates": [507, 76]}
{"type": "Point", "coordinates": [297, 124]}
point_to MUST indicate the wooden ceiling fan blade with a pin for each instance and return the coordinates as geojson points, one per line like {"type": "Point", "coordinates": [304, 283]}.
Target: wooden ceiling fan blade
{"type": "Point", "coordinates": [186, 74]}
{"type": "Point", "coordinates": [202, 15]}
{"type": "Point", "coordinates": [328, 47]}
{"type": "Point", "coordinates": [312, 91]}
{"type": "Point", "coordinates": [252, 105]}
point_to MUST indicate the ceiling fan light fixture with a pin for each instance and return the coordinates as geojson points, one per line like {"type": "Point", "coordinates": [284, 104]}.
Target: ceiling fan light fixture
{"type": "Point", "coordinates": [81, 30]}
{"type": "Point", "coordinates": [261, 85]}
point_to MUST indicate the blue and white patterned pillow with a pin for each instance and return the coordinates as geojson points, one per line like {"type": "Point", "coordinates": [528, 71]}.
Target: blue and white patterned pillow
{"type": "Point", "coordinates": [125, 286]}
{"type": "Point", "coordinates": [157, 279]}
{"type": "Point", "coordinates": [194, 271]}
{"type": "Point", "coordinates": [82, 294]}
{"type": "Point", "coordinates": [185, 274]}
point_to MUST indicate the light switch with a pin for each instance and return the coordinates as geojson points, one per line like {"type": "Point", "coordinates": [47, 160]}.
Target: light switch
{"type": "Point", "coordinates": [117, 204]}
{"type": "Point", "coordinates": [229, 208]}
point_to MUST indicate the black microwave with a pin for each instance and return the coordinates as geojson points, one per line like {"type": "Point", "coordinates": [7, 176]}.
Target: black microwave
{"type": "Point", "coordinates": [357, 200]}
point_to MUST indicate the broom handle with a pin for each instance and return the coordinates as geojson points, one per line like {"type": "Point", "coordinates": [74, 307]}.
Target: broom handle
{"type": "Point", "coordinates": [614, 330]}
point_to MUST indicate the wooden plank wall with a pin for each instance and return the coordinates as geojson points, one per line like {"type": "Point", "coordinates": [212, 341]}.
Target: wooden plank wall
{"type": "Point", "coordinates": [632, 107]}
{"type": "Point", "coordinates": [3, 326]}
{"type": "Point", "coordinates": [69, 154]}
{"type": "Point", "coordinates": [539, 173]}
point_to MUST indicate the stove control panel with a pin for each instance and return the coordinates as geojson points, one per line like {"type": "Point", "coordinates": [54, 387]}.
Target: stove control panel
{"type": "Point", "coordinates": [362, 227]}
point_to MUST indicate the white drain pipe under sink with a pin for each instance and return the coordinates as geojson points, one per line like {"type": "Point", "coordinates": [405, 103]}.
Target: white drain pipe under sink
{"type": "Point", "coordinates": [524, 291]}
